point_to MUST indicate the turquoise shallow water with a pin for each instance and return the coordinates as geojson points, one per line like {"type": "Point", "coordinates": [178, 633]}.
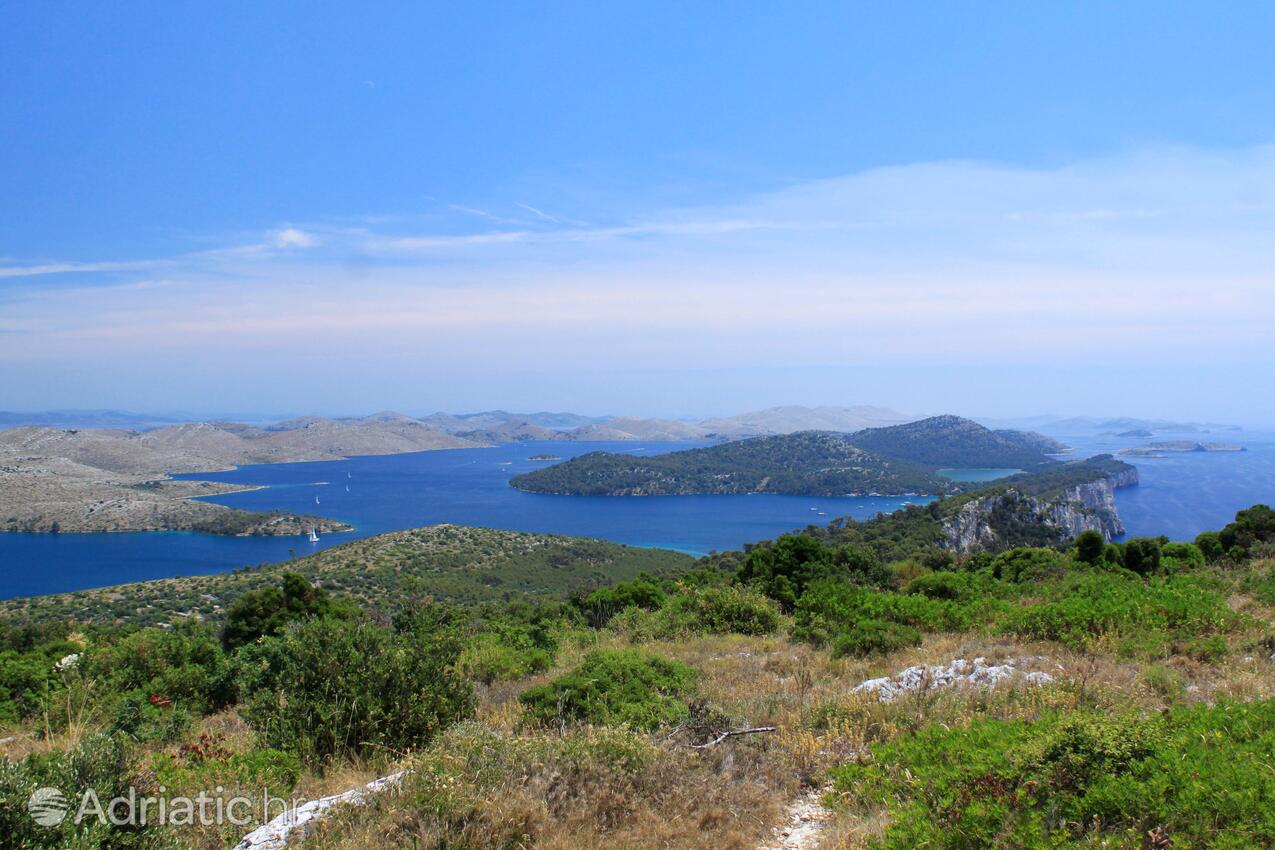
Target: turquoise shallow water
{"type": "Point", "coordinates": [390, 492]}
{"type": "Point", "coordinates": [1180, 495]}
{"type": "Point", "coordinates": [976, 474]}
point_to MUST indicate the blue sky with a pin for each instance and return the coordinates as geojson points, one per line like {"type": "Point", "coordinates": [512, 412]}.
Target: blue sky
{"type": "Point", "coordinates": [668, 209]}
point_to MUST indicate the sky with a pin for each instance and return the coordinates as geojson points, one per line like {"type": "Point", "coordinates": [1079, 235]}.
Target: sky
{"type": "Point", "coordinates": [671, 209]}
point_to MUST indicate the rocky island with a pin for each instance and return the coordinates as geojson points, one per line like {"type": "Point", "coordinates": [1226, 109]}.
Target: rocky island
{"type": "Point", "coordinates": [93, 480]}
{"type": "Point", "coordinates": [1179, 447]}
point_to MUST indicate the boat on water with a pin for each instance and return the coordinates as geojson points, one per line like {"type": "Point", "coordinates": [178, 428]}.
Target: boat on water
{"type": "Point", "coordinates": [347, 488]}
{"type": "Point", "coordinates": [316, 500]}
{"type": "Point", "coordinates": [314, 537]}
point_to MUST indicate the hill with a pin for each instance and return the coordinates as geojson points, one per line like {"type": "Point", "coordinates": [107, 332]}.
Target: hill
{"type": "Point", "coordinates": [895, 460]}
{"type": "Point", "coordinates": [810, 463]}
{"type": "Point", "coordinates": [1047, 508]}
{"type": "Point", "coordinates": [447, 563]}
{"type": "Point", "coordinates": [950, 441]}
{"type": "Point", "coordinates": [85, 480]}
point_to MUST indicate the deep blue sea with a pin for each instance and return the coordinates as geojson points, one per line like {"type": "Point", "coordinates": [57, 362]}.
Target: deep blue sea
{"type": "Point", "coordinates": [390, 492]}
{"type": "Point", "coordinates": [1180, 496]}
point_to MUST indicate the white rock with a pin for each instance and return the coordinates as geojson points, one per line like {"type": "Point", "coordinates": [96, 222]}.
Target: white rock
{"type": "Point", "coordinates": [959, 672]}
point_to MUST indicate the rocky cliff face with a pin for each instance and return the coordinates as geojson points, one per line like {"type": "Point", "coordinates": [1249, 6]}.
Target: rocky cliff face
{"type": "Point", "coordinates": [1009, 518]}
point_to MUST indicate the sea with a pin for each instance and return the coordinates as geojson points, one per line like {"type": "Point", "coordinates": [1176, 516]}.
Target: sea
{"type": "Point", "coordinates": [1179, 496]}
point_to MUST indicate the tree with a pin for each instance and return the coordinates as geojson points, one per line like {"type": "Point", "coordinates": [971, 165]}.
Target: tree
{"type": "Point", "coordinates": [1089, 546]}
{"type": "Point", "coordinates": [268, 610]}
{"type": "Point", "coordinates": [784, 569]}
{"type": "Point", "coordinates": [1142, 555]}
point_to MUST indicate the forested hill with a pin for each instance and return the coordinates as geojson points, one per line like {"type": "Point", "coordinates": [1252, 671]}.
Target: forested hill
{"type": "Point", "coordinates": [950, 441]}
{"type": "Point", "coordinates": [896, 460]}
{"type": "Point", "coordinates": [808, 463]}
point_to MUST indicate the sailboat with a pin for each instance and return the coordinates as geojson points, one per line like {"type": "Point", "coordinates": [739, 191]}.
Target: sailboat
{"type": "Point", "coordinates": [316, 500]}
{"type": "Point", "coordinates": [314, 537]}
{"type": "Point", "coordinates": [347, 488]}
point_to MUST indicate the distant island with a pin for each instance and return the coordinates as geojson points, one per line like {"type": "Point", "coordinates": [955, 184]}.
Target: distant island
{"type": "Point", "coordinates": [1179, 447]}
{"type": "Point", "coordinates": [894, 460]}
{"type": "Point", "coordinates": [544, 457]}
{"type": "Point", "coordinates": [93, 480]}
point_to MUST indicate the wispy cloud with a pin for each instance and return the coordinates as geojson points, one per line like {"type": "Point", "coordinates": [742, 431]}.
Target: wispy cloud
{"type": "Point", "coordinates": [1161, 256]}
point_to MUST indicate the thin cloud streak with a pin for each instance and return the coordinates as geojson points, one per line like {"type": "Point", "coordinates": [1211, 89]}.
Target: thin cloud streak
{"type": "Point", "coordinates": [1156, 257]}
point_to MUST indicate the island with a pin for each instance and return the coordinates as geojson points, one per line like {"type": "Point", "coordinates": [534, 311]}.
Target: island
{"type": "Point", "coordinates": [107, 479]}
{"type": "Point", "coordinates": [892, 460]}
{"type": "Point", "coordinates": [545, 457]}
{"type": "Point", "coordinates": [1161, 449]}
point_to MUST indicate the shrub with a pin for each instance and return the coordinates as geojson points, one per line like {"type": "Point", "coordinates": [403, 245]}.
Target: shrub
{"type": "Point", "coordinates": [1089, 547]}
{"type": "Point", "coordinates": [784, 569]}
{"type": "Point", "coordinates": [1210, 544]}
{"type": "Point", "coordinates": [503, 654]}
{"type": "Point", "coordinates": [1142, 555]}
{"type": "Point", "coordinates": [617, 688]}
{"type": "Point", "coordinates": [1076, 780]}
{"type": "Point", "coordinates": [268, 610]}
{"type": "Point", "coordinates": [1086, 606]}
{"type": "Point", "coordinates": [722, 610]}
{"type": "Point", "coordinates": [871, 637]}
{"type": "Point", "coordinates": [603, 604]}
{"type": "Point", "coordinates": [1180, 557]}
{"type": "Point", "coordinates": [954, 586]}
{"type": "Point", "coordinates": [101, 763]}
{"type": "Point", "coordinates": [1252, 527]}
{"type": "Point", "coordinates": [340, 688]}
{"type": "Point", "coordinates": [1028, 563]}
{"type": "Point", "coordinates": [183, 667]}
{"type": "Point", "coordinates": [831, 608]}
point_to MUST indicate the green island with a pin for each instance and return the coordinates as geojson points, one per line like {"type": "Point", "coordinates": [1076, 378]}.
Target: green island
{"type": "Point", "coordinates": [892, 460]}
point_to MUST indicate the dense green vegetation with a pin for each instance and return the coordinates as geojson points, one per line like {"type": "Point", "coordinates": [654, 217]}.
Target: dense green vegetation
{"type": "Point", "coordinates": [586, 703]}
{"type": "Point", "coordinates": [1195, 776]}
{"type": "Point", "coordinates": [808, 463]}
{"type": "Point", "coordinates": [950, 441]}
{"type": "Point", "coordinates": [444, 563]}
{"type": "Point", "coordinates": [900, 459]}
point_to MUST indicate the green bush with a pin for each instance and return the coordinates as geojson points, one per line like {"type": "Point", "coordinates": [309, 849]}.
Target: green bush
{"type": "Point", "coordinates": [1076, 780]}
{"type": "Point", "coordinates": [723, 610]}
{"type": "Point", "coordinates": [1181, 557]}
{"type": "Point", "coordinates": [1089, 605]}
{"type": "Point", "coordinates": [951, 586]}
{"type": "Point", "coordinates": [1142, 555]}
{"type": "Point", "coordinates": [1028, 563]}
{"type": "Point", "coordinates": [268, 610]}
{"type": "Point", "coordinates": [1090, 546]}
{"type": "Point", "coordinates": [832, 608]}
{"type": "Point", "coordinates": [615, 688]}
{"type": "Point", "coordinates": [328, 687]}
{"type": "Point", "coordinates": [603, 604]}
{"type": "Point", "coordinates": [504, 652]}
{"type": "Point", "coordinates": [872, 637]}
{"type": "Point", "coordinates": [101, 763]}
{"type": "Point", "coordinates": [182, 667]}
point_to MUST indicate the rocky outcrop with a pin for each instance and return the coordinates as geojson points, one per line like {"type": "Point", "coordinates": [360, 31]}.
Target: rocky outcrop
{"type": "Point", "coordinates": [1010, 517]}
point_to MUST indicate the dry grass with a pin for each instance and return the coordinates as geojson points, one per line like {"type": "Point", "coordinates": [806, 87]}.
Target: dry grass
{"type": "Point", "coordinates": [733, 795]}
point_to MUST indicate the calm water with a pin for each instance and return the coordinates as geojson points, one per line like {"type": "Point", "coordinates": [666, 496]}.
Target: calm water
{"type": "Point", "coordinates": [1180, 495]}
{"type": "Point", "coordinates": [390, 492]}
{"type": "Point", "coordinates": [977, 473]}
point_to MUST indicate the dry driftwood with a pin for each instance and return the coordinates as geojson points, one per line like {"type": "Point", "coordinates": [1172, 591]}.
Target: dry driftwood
{"type": "Point", "coordinates": [731, 734]}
